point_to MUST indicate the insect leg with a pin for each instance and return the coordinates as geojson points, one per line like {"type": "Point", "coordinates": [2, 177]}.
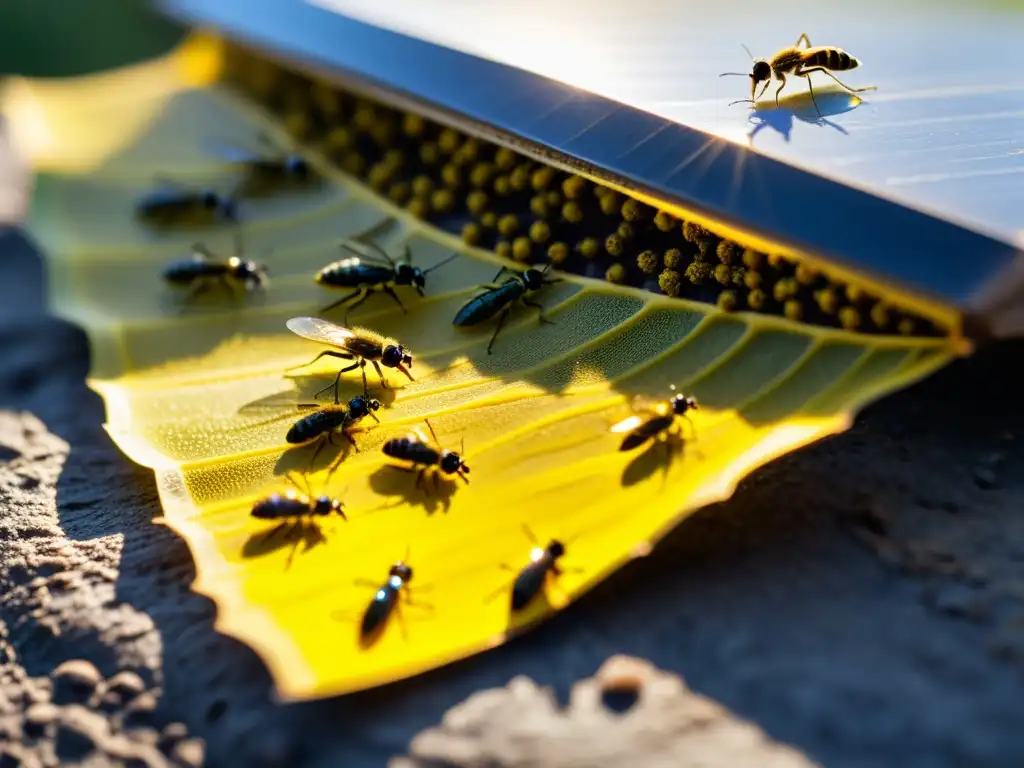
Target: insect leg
{"type": "Point", "coordinates": [437, 483]}
{"type": "Point", "coordinates": [500, 273]}
{"type": "Point", "coordinates": [802, 39]}
{"type": "Point", "coordinates": [357, 302]}
{"type": "Point", "coordinates": [782, 84]}
{"type": "Point", "coordinates": [804, 72]}
{"type": "Point", "coordinates": [345, 298]}
{"type": "Point", "coordinates": [504, 587]}
{"type": "Point", "coordinates": [530, 536]}
{"type": "Point", "coordinates": [419, 478]}
{"type": "Point", "coordinates": [351, 439]}
{"type": "Point", "coordinates": [540, 311]}
{"type": "Point", "coordinates": [380, 374]}
{"type": "Point", "coordinates": [291, 478]}
{"type": "Point", "coordinates": [336, 382]}
{"type": "Point", "coordinates": [325, 353]}
{"type": "Point", "coordinates": [416, 602]}
{"type": "Point", "coordinates": [401, 622]}
{"type": "Point", "coordinates": [501, 321]}
{"type": "Point", "coordinates": [319, 446]}
{"type": "Point", "coordinates": [391, 292]}
{"type": "Point", "coordinates": [814, 101]}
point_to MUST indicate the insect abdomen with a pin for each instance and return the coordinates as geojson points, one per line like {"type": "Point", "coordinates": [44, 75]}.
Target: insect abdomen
{"type": "Point", "coordinates": [486, 306]}
{"type": "Point", "coordinates": [347, 275]}
{"type": "Point", "coordinates": [645, 432]}
{"type": "Point", "coordinates": [309, 427]}
{"type": "Point", "coordinates": [379, 609]}
{"type": "Point", "coordinates": [411, 450]}
{"type": "Point", "coordinates": [528, 584]}
{"type": "Point", "coordinates": [276, 506]}
{"type": "Point", "coordinates": [162, 202]}
{"type": "Point", "coordinates": [835, 59]}
{"type": "Point", "coordinates": [184, 272]}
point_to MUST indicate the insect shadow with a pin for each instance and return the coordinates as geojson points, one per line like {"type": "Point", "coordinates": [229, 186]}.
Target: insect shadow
{"type": "Point", "coordinates": [299, 524]}
{"type": "Point", "coordinates": [326, 451]}
{"type": "Point", "coordinates": [283, 404]}
{"type": "Point", "coordinates": [796, 107]}
{"type": "Point", "coordinates": [657, 456]}
{"type": "Point", "coordinates": [308, 534]}
{"type": "Point", "coordinates": [385, 481]}
{"type": "Point", "coordinates": [389, 598]}
{"type": "Point", "coordinates": [530, 582]}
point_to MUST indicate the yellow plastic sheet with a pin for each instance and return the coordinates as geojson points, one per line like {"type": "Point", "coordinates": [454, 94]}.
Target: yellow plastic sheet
{"type": "Point", "coordinates": [197, 392]}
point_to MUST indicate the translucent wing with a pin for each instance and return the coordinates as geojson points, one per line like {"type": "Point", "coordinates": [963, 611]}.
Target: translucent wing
{"type": "Point", "coordinates": [643, 408]}
{"type": "Point", "coordinates": [315, 329]}
{"type": "Point", "coordinates": [368, 252]}
{"type": "Point", "coordinates": [232, 153]}
{"type": "Point", "coordinates": [628, 424]}
{"type": "Point", "coordinates": [417, 433]}
{"type": "Point", "coordinates": [649, 405]}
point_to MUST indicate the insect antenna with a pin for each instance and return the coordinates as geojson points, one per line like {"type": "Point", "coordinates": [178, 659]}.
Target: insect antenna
{"type": "Point", "coordinates": [441, 263]}
{"type": "Point", "coordinates": [530, 536]}
{"type": "Point", "coordinates": [303, 487]}
{"type": "Point", "coordinates": [741, 74]}
{"type": "Point", "coordinates": [548, 281]}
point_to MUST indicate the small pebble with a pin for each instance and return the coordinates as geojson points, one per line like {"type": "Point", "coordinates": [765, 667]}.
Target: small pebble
{"type": "Point", "coordinates": [74, 681]}
{"type": "Point", "coordinates": [140, 711]}
{"type": "Point", "coordinates": [73, 744]}
{"type": "Point", "coordinates": [190, 752]}
{"type": "Point", "coordinates": [127, 684]}
{"type": "Point", "coordinates": [39, 715]}
{"type": "Point", "coordinates": [960, 601]}
{"type": "Point", "coordinates": [985, 477]}
{"type": "Point", "coordinates": [171, 734]}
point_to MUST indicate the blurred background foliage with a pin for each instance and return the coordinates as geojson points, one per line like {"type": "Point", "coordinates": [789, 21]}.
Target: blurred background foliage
{"type": "Point", "coordinates": [63, 38]}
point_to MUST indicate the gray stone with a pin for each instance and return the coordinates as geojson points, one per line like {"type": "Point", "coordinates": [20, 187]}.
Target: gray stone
{"type": "Point", "coordinates": [74, 681]}
{"type": "Point", "coordinates": [189, 753]}
{"type": "Point", "coordinates": [522, 726]}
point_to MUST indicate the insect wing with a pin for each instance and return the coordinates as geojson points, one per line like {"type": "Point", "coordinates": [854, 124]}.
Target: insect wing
{"type": "Point", "coordinates": [649, 406]}
{"type": "Point", "coordinates": [315, 329]}
{"type": "Point", "coordinates": [366, 252]}
{"type": "Point", "coordinates": [416, 434]}
{"type": "Point", "coordinates": [628, 424]}
{"type": "Point", "coordinates": [232, 153]}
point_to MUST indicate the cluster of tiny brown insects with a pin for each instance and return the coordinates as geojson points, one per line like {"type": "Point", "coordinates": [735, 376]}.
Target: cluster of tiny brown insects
{"type": "Point", "coordinates": [529, 212]}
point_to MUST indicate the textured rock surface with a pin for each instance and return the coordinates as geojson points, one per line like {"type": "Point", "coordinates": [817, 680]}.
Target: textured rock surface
{"type": "Point", "coordinates": [522, 725]}
{"type": "Point", "coordinates": [861, 603]}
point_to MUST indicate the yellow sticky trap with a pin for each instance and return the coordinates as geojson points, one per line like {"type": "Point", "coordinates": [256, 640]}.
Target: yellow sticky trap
{"type": "Point", "coordinates": [200, 395]}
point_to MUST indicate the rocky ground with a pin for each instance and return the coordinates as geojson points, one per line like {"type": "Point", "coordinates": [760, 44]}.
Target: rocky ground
{"type": "Point", "coordinates": [860, 603]}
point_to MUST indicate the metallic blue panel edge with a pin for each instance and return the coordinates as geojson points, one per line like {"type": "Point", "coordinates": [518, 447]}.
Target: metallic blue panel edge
{"type": "Point", "coordinates": [921, 253]}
